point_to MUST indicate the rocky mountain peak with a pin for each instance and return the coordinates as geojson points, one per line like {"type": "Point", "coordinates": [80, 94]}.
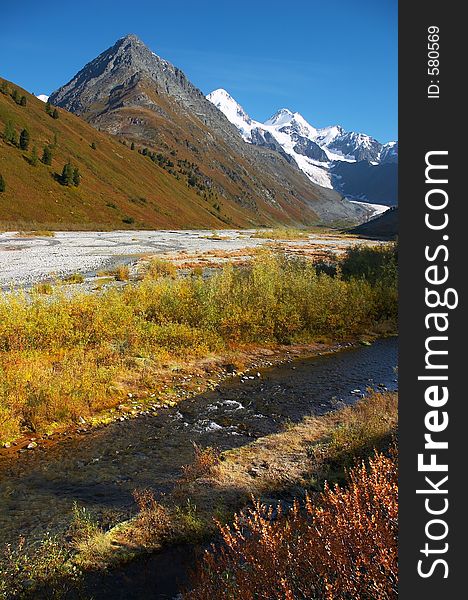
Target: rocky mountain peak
{"type": "Point", "coordinates": [130, 91]}
{"type": "Point", "coordinates": [115, 70]}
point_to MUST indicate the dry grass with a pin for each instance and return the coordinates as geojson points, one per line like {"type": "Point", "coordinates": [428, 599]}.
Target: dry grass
{"type": "Point", "coordinates": [36, 233]}
{"type": "Point", "coordinates": [281, 233]}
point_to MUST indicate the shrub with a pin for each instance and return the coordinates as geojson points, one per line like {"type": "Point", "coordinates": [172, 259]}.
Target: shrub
{"type": "Point", "coordinates": [44, 287]}
{"type": "Point", "coordinates": [122, 273]}
{"type": "Point", "coordinates": [153, 523]}
{"type": "Point", "coordinates": [42, 570]}
{"type": "Point", "coordinates": [9, 133]}
{"type": "Point", "coordinates": [74, 278]}
{"type": "Point", "coordinates": [34, 159]}
{"type": "Point", "coordinates": [67, 175]}
{"type": "Point", "coordinates": [47, 155]}
{"type": "Point", "coordinates": [281, 233]}
{"type": "Point", "coordinates": [158, 267]}
{"type": "Point", "coordinates": [204, 462]}
{"type": "Point", "coordinates": [59, 356]}
{"type": "Point", "coordinates": [76, 177]}
{"type": "Point", "coordinates": [2, 184]}
{"type": "Point", "coordinates": [342, 546]}
{"type": "Point", "coordinates": [373, 263]}
{"type": "Point", "coordinates": [24, 139]}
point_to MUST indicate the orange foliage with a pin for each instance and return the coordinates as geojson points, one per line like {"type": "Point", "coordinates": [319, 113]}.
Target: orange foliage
{"type": "Point", "coordinates": [341, 546]}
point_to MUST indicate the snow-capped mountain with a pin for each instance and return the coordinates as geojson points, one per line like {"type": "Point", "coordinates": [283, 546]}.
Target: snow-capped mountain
{"type": "Point", "coordinates": [43, 97]}
{"type": "Point", "coordinates": [389, 153]}
{"type": "Point", "coordinates": [314, 150]}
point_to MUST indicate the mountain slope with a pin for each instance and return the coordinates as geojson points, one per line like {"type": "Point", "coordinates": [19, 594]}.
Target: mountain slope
{"type": "Point", "coordinates": [131, 92]}
{"type": "Point", "coordinates": [320, 153]}
{"type": "Point", "coordinates": [363, 180]}
{"type": "Point", "coordinates": [120, 188]}
{"type": "Point", "coordinates": [384, 226]}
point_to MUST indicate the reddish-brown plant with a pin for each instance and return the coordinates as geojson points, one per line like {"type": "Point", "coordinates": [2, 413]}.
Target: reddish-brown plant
{"type": "Point", "coordinates": [203, 464]}
{"type": "Point", "coordinates": [343, 545]}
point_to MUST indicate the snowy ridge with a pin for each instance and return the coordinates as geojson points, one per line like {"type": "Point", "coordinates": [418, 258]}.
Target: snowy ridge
{"type": "Point", "coordinates": [285, 128]}
{"type": "Point", "coordinates": [313, 149]}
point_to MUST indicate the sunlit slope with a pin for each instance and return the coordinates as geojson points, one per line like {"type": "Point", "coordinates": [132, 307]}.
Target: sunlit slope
{"type": "Point", "coordinates": [119, 187]}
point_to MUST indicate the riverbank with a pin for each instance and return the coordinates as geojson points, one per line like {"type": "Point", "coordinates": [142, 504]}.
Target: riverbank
{"type": "Point", "coordinates": [277, 467]}
{"type": "Point", "coordinates": [181, 381]}
{"type": "Point", "coordinates": [69, 359]}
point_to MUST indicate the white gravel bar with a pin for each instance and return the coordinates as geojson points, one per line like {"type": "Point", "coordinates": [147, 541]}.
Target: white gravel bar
{"type": "Point", "coordinates": [27, 260]}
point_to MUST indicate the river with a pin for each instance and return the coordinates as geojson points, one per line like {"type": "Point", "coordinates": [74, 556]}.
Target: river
{"type": "Point", "coordinates": [101, 469]}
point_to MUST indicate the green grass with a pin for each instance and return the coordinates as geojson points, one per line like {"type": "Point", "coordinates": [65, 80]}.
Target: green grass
{"type": "Point", "coordinates": [63, 357]}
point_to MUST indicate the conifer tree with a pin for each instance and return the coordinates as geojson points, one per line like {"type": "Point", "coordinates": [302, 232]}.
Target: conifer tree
{"type": "Point", "coordinates": [93, 145]}
{"type": "Point", "coordinates": [23, 101]}
{"type": "Point", "coordinates": [15, 96]}
{"type": "Point", "coordinates": [67, 174]}
{"type": "Point", "coordinates": [132, 147]}
{"type": "Point", "coordinates": [24, 139]}
{"type": "Point", "coordinates": [4, 88]}
{"type": "Point", "coordinates": [76, 177]}
{"type": "Point", "coordinates": [55, 114]}
{"type": "Point", "coordinates": [2, 184]}
{"type": "Point", "coordinates": [9, 132]}
{"type": "Point", "coordinates": [34, 158]}
{"type": "Point", "coordinates": [48, 107]}
{"type": "Point", "coordinates": [47, 155]}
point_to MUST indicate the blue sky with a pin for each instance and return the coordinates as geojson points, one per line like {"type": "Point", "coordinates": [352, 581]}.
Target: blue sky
{"type": "Point", "coordinates": [333, 61]}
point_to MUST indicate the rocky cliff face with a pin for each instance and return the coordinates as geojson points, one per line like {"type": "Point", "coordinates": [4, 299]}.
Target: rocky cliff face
{"type": "Point", "coordinates": [131, 92]}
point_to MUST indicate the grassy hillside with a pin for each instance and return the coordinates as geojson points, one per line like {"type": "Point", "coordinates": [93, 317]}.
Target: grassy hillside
{"type": "Point", "coordinates": [270, 190]}
{"type": "Point", "coordinates": [120, 188]}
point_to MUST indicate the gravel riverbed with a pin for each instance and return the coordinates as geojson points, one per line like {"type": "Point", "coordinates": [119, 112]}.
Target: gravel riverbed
{"type": "Point", "coordinates": [27, 260]}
